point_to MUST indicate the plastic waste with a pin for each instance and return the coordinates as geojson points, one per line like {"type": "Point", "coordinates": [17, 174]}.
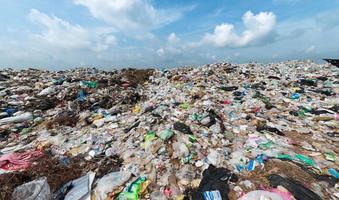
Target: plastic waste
{"type": "Point", "coordinates": [34, 190]}
{"type": "Point", "coordinates": [260, 195]}
{"type": "Point", "coordinates": [251, 165]}
{"type": "Point", "coordinates": [286, 195]}
{"type": "Point", "coordinates": [47, 91]}
{"type": "Point", "coordinates": [173, 190]}
{"type": "Point", "coordinates": [166, 134]}
{"type": "Point", "coordinates": [89, 84]}
{"type": "Point", "coordinates": [182, 128]}
{"type": "Point", "coordinates": [285, 156]}
{"type": "Point", "coordinates": [330, 156]}
{"type": "Point", "coordinates": [213, 157]}
{"type": "Point", "coordinates": [184, 106]}
{"type": "Point", "coordinates": [109, 183]}
{"type": "Point", "coordinates": [133, 190]}
{"type": "Point", "coordinates": [295, 96]}
{"type": "Point", "coordinates": [24, 117]}
{"type": "Point", "coordinates": [10, 111]}
{"type": "Point", "coordinates": [308, 82]}
{"type": "Point", "coordinates": [82, 96]}
{"type": "Point", "coordinates": [212, 195]}
{"type": "Point", "coordinates": [333, 172]}
{"type": "Point", "coordinates": [305, 159]}
{"type": "Point", "coordinates": [78, 189]}
{"type": "Point", "coordinates": [18, 161]}
{"type": "Point", "coordinates": [158, 195]}
{"type": "Point", "coordinates": [236, 115]}
{"type": "Point", "coordinates": [296, 188]}
{"type": "Point", "coordinates": [214, 179]}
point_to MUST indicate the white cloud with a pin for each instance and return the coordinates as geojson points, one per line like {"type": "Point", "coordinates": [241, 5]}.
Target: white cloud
{"type": "Point", "coordinates": [107, 41]}
{"type": "Point", "coordinates": [172, 38]}
{"type": "Point", "coordinates": [126, 15]}
{"type": "Point", "coordinates": [161, 51]}
{"type": "Point", "coordinates": [259, 28]}
{"type": "Point", "coordinates": [172, 46]}
{"type": "Point", "coordinates": [310, 49]}
{"type": "Point", "coordinates": [61, 34]}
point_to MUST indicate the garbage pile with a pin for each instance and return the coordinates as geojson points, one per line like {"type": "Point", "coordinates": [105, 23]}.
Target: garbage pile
{"type": "Point", "coordinates": [215, 132]}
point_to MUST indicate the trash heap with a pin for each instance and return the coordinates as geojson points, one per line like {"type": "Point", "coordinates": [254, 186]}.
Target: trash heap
{"type": "Point", "coordinates": [215, 132]}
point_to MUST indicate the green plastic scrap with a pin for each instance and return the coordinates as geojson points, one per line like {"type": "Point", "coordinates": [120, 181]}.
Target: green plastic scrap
{"type": "Point", "coordinates": [330, 156]}
{"type": "Point", "coordinates": [266, 100]}
{"type": "Point", "coordinates": [328, 84]}
{"type": "Point", "coordinates": [305, 159]}
{"type": "Point", "coordinates": [196, 117]}
{"type": "Point", "coordinates": [247, 86]}
{"type": "Point", "coordinates": [184, 106]}
{"type": "Point", "coordinates": [132, 191]}
{"type": "Point", "coordinates": [285, 156]}
{"type": "Point", "coordinates": [166, 134]}
{"type": "Point", "coordinates": [187, 159]}
{"type": "Point", "coordinates": [150, 136]}
{"type": "Point", "coordinates": [26, 130]}
{"type": "Point", "coordinates": [192, 139]}
{"type": "Point", "coordinates": [301, 113]}
{"type": "Point", "coordinates": [266, 145]}
{"type": "Point", "coordinates": [306, 108]}
{"type": "Point", "coordinates": [90, 84]}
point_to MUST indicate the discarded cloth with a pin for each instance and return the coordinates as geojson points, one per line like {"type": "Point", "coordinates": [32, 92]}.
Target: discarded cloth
{"type": "Point", "coordinates": [18, 161]}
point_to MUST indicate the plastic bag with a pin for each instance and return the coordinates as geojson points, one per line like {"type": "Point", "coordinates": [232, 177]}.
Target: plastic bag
{"type": "Point", "coordinates": [34, 190]}
{"type": "Point", "coordinates": [110, 182]}
{"type": "Point", "coordinates": [261, 195]}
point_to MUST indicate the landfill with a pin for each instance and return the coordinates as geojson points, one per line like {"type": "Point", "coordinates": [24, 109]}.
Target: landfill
{"type": "Point", "coordinates": [214, 132]}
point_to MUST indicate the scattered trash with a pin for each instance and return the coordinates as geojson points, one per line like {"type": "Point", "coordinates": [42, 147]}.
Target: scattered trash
{"type": "Point", "coordinates": [333, 172]}
{"type": "Point", "coordinates": [17, 119]}
{"type": "Point", "coordinates": [261, 194]}
{"type": "Point", "coordinates": [34, 190]}
{"type": "Point", "coordinates": [18, 161]}
{"type": "Point", "coordinates": [133, 190]}
{"type": "Point", "coordinates": [214, 179]}
{"type": "Point", "coordinates": [80, 188]}
{"type": "Point", "coordinates": [109, 183]}
{"type": "Point", "coordinates": [166, 134]}
{"type": "Point", "coordinates": [182, 128]}
{"type": "Point", "coordinates": [172, 134]}
{"type": "Point", "coordinates": [296, 188]}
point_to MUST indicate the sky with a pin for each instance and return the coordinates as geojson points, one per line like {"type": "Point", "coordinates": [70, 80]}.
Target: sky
{"type": "Point", "coordinates": [109, 34]}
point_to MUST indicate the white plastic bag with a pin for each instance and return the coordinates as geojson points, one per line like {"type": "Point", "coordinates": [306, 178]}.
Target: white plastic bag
{"type": "Point", "coordinates": [109, 182]}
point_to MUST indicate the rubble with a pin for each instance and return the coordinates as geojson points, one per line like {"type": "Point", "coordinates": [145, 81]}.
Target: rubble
{"type": "Point", "coordinates": [219, 131]}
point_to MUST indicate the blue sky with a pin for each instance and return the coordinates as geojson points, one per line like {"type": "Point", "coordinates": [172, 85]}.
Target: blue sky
{"type": "Point", "coordinates": [164, 33]}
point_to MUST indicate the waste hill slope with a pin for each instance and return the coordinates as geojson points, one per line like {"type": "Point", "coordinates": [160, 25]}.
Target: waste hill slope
{"type": "Point", "coordinates": [218, 131]}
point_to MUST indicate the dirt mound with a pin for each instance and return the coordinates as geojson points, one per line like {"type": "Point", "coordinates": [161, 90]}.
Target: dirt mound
{"type": "Point", "coordinates": [57, 172]}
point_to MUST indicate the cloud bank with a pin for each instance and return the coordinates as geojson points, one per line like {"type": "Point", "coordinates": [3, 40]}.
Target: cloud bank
{"type": "Point", "coordinates": [259, 28]}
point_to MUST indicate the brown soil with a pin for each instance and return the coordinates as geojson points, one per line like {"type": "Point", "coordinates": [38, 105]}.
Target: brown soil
{"type": "Point", "coordinates": [137, 76]}
{"type": "Point", "coordinates": [56, 173]}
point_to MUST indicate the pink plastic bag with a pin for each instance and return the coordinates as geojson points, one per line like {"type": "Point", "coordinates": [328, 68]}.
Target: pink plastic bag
{"type": "Point", "coordinates": [18, 161]}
